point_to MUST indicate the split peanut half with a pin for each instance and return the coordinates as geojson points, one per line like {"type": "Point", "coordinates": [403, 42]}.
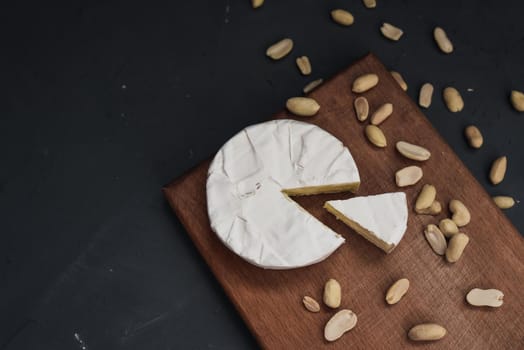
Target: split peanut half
{"type": "Point", "coordinates": [312, 85]}
{"type": "Point", "coordinates": [436, 239]}
{"type": "Point", "coordinates": [304, 65]}
{"type": "Point", "coordinates": [485, 297]}
{"type": "Point", "coordinates": [400, 80]}
{"type": "Point", "coordinates": [280, 49]}
{"type": "Point", "coordinates": [412, 151]}
{"type": "Point", "coordinates": [408, 176]}
{"type": "Point", "coordinates": [391, 32]}
{"type": "Point", "coordinates": [310, 304]}
{"type": "Point", "coordinates": [361, 108]}
{"type": "Point", "coordinates": [341, 322]}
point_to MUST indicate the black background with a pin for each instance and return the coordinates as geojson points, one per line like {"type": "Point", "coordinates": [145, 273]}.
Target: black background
{"type": "Point", "coordinates": [103, 102]}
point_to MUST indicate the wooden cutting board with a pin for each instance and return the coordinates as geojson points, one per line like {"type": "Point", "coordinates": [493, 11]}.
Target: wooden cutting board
{"type": "Point", "coordinates": [270, 302]}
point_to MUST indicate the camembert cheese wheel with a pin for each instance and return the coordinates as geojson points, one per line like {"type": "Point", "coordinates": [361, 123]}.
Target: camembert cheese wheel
{"type": "Point", "coordinates": [250, 182]}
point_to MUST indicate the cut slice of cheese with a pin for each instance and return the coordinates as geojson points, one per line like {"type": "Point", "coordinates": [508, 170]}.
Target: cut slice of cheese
{"type": "Point", "coordinates": [249, 183]}
{"type": "Point", "coordinates": [381, 219]}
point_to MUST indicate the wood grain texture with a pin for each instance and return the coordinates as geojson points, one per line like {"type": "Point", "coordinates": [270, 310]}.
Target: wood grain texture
{"type": "Point", "coordinates": [270, 301]}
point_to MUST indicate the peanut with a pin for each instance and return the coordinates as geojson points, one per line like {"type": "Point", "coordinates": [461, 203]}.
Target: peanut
{"type": "Point", "coordinates": [425, 95]}
{"type": "Point", "coordinates": [473, 136]}
{"type": "Point", "coordinates": [453, 100]}
{"type": "Point", "coordinates": [456, 247]}
{"type": "Point", "coordinates": [312, 85]}
{"type": "Point", "coordinates": [302, 106]}
{"type": "Point", "coordinates": [381, 114]}
{"type": "Point", "coordinates": [375, 136]}
{"type": "Point", "coordinates": [485, 297]}
{"type": "Point", "coordinates": [436, 239]}
{"type": "Point", "coordinates": [370, 4]}
{"type": "Point", "coordinates": [257, 3]}
{"type": "Point", "coordinates": [361, 108]}
{"type": "Point", "coordinates": [342, 17]}
{"type": "Point", "coordinates": [461, 215]}
{"type": "Point", "coordinates": [412, 151]}
{"type": "Point", "coordinates": [397, 291]}
{"type": "Point", "coordinates": [391, 32]}
{"type": "Point", "coordinates": [365, 82]}
{"type": "Point", "coordinates": [303, 65]}
{"type": "Point", "coordinates": [426, 197]}
{"type": "Point", "coordinates": [448, 227]}
{"type": "Point", "coordinates": [311, 304]}
{"type": "Point", "coordinates": [498, 170]}
{"type": "Point", "coordinates": [401, 82]}
{"type": "Point", "coordinates": [426, 332]}
{"type": "Point", "coordinates": [408, 176]}
{"type": "Point", "coordinates": [280, 49]}
{"type": "Point", "coordinates": [341, 322]}
{"type": "Point", "coordinates": [434, 209]}
{"type": "Point", "coordinates": [504, 202]}
{"type": "Point", "coordinates": [442, 40]}
{"type": "Point", "coordinates": [332, 293]}
{"type": "Point", "coordinates": [517, 100]}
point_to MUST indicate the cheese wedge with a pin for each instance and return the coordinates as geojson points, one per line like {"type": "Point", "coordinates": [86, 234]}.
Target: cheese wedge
{"type": "Point", "coordinates": [381, 219]}
{"type": "Point", "coordinates": [249, 183]}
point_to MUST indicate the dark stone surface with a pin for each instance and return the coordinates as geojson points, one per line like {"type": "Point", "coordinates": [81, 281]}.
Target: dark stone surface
{"type": "Point", "coordinates": [103, 102]}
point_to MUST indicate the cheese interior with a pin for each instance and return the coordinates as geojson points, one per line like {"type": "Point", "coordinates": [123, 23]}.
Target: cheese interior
{"type": "Point", "coordinates": [305, 191]}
